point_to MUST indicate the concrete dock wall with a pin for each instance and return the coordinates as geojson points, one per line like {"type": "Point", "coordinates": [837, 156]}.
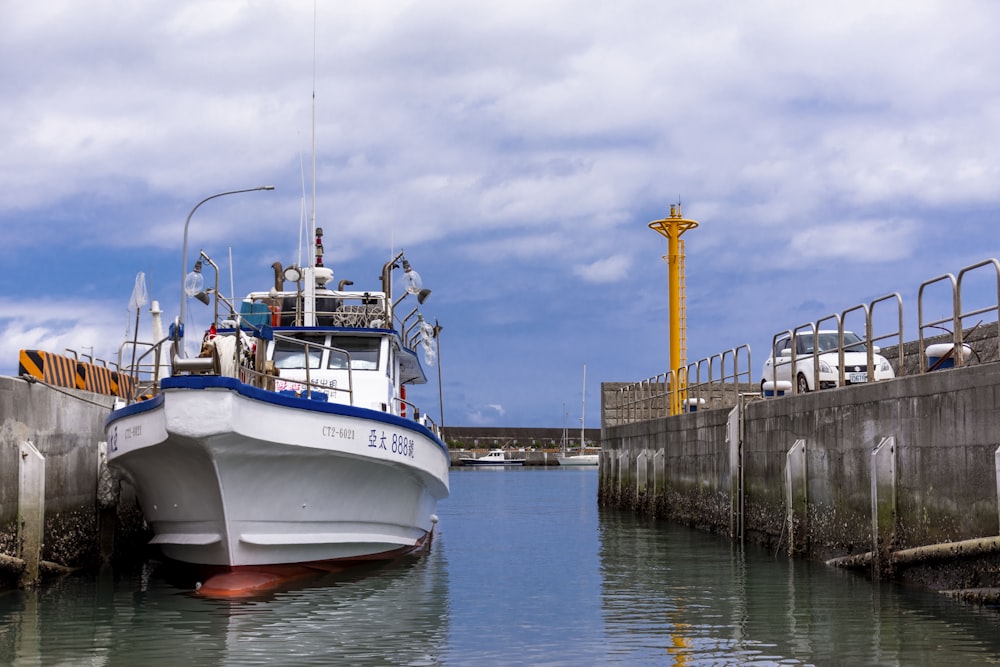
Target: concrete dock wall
{"type": "Point", "coordinates": [875, 475]}
{"type": "Point", "coordinates": [65, 427]}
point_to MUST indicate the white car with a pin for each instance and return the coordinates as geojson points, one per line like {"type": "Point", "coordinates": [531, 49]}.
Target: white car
{"type": "Point", "coordinates": [778, 366]}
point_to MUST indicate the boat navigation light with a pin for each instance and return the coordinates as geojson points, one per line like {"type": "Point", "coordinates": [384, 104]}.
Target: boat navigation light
{"type": "Point", "coordinates": [422, 295]}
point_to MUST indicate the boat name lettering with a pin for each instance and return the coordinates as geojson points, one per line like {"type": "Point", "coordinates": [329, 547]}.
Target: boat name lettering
{"type": "Point", "coordinates": [280, 385]}
{"type": "Point", "coordinates": [335, 432]}
{"type": "Point", "coordinates": [397, 444]}
{"type": "Point", "coordinates": [133, 431]}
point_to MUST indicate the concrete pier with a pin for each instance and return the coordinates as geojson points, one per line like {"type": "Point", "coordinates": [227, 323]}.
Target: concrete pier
{"type": "Point", "coordinates": [883, 476]}
{"type": "Point", "coordinates": [50, 468]}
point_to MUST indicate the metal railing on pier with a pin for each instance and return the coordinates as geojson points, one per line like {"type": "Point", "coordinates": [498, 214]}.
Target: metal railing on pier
{"type": "Point", "coordinates": [970, 335]}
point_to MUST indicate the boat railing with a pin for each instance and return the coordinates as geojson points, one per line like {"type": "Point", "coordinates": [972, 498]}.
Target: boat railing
{"type": "Point", "coordinates": [337, 309]}
{"type": "Point", "coordinates": [242, 355]}
{"type": "Point", "coordinates": [409, 409]}
{"type": "Point", "coordinates": [308, 384]}
{"type": "Point", "coordinates": [144, 373]}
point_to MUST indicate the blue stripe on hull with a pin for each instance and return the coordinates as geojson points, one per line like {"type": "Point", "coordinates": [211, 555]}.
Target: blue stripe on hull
{"type": "Point", "coordinates": [253, 393]}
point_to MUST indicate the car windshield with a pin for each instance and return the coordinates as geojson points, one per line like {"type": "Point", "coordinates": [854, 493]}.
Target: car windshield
{"type": "Point", "coordinates": [828, 342]}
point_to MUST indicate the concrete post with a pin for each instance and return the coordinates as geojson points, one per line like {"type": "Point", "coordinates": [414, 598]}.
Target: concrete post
{"type": "Point", "coordinates": [659, 471]}
{"type": "Point", "coordinates": [797, 498]}
{"type": "Point", "coordinates": [883, 474]}
{"type": "Point", "coordinates": [31, 510]}
{"type": "Point", "coordinates": [622, 473]}
{"type": "Point", "coordinates": [735, 442]}
{"type": "Point", "coordinates": [641, 473]}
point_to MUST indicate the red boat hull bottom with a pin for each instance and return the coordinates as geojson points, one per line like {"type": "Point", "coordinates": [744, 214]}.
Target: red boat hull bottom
{"type": "Point", "coordinates": [247, 580]}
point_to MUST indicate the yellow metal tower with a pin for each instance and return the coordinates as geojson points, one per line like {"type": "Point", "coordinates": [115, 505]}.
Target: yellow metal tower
{"type": "Point", "coordinates": [672, 227]}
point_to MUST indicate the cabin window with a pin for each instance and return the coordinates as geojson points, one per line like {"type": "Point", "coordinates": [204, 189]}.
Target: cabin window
{"type": "Point", "coordinates": [363, 350]}
{"type": "Point", "coordinates": [292, 354]}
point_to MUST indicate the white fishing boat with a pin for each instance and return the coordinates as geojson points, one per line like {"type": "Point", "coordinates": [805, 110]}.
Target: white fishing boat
{"type": "Point", "coordinates": [289, 439]}
{"type": "Point", "coordinates": [494, 457]}
{"type": "Point", "coordinates": [581, 458]}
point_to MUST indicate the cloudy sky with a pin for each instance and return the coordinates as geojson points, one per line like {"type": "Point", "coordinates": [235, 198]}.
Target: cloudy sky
{"type": "Point", "coordinates": [832, 153]}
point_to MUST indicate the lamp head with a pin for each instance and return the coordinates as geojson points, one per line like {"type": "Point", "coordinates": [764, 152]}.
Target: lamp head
{"type": "Point", "coordinates": [413, 282]}
{"type": "Point", "coordinates": [194, 282]}
{"type": "Point", "coordinates": [293, 274]}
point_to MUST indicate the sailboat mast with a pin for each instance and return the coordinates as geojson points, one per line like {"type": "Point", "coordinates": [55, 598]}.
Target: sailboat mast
{"type": "Point", "coordinates": [583, 407]}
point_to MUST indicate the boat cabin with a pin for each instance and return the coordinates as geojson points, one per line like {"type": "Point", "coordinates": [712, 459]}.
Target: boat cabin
{"type": "Point", "coordinates": [347, 355]}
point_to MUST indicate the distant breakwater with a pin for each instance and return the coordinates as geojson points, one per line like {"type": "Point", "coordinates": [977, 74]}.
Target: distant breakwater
{"type": "Point", "coordinates": [507, 437]}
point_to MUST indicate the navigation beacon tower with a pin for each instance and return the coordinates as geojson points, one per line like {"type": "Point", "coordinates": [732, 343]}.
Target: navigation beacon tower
{"type": "Point", "coordinates": [672, 227]}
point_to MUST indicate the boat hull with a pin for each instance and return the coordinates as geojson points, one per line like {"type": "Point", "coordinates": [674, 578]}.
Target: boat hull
{"type": "Point", "coordinates": [495, 464]}
{"type": "Point", "coordinates": [579, 460]}
{"type": "Point", "coordinates": [230, 475]}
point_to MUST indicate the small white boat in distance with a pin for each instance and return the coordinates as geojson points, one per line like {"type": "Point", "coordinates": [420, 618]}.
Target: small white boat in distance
{"type": "Point", "coordinates": [495, 457]}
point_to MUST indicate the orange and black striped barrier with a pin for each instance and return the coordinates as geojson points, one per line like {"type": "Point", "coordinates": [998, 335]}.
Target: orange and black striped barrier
{"type": "Point", "coordinates": [47, 367]}
{"type": "Point", "coordinates": [67, 372]}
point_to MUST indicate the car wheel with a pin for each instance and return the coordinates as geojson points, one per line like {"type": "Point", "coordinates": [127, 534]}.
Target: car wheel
{"type": "Point", "coordinates": [803, 384]}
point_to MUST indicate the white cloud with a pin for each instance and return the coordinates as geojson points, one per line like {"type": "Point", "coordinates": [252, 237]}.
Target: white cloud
{"type": "Point", "coordinates": [604, 270]}
{"type": "Point", "coordinates": [855, 242]}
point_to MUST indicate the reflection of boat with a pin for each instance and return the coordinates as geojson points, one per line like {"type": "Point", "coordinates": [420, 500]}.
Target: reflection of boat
{"type": "Point", "coordinates": [388, 613]}
{"type": "Point", "coordinates": [495, 457]}
{"type": "Point", "coordinates": [289, 439]}
{"type": "Point", "coordinates": [581, 459]}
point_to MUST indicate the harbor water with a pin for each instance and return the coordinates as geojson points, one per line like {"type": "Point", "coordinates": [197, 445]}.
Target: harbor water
{"type": "Point", "coordinates": [524, 570]}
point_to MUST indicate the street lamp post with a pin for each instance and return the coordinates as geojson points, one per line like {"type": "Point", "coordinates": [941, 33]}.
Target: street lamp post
{"type": "Point", "coordinates": [437, 337]}
{"type": "Point", "coordinates": [180, 320]}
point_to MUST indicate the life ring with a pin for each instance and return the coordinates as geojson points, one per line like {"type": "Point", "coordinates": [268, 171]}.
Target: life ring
{"type": "Point", "coordinates": [402, 400]}
{"type": "Point", "coordinates": [275, 316]}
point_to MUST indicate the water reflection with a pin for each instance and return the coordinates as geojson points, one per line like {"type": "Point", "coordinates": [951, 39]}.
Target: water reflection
{"type": "Point", "coordinates": [671, 595]}
{"type": "Point", "coordinates": [525, 570]}
{"type": "Point", "coordinates": [394, 614]}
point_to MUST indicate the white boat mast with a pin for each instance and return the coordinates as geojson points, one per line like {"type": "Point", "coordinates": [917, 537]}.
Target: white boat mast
{"type": "Point", "coordinates": [583, 407]}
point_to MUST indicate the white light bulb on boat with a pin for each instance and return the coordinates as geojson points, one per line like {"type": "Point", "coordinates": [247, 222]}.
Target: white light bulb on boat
{"type": "Point", "coordinates": [412, 278]}
{"type": "Point", "coordinates": [194, 282]}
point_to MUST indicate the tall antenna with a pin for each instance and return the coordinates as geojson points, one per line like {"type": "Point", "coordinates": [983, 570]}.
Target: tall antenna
{"type": "Point", "coordinates": [583, 407]}
{"type": "Point", "coordinates": [314, 126]}
{"type": "Point", "coordinates": [303, 209]}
